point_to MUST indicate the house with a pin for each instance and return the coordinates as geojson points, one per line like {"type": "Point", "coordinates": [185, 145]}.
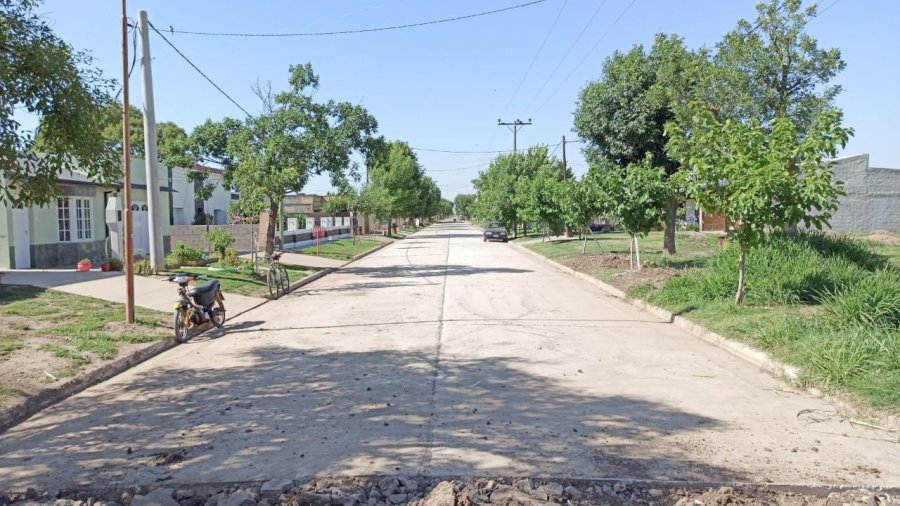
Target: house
{"type": "Point", "coordinates": [74, 226]}
{"type": "Point", "coordinates": [186, 209]}
{"type": "Point", "coordinates": [303, 203]}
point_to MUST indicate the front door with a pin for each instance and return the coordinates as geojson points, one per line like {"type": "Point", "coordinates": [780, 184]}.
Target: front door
{"type": "Point", "coordinates": [141, 235]}
{"type": "Point", "coordinates": [21, 238]}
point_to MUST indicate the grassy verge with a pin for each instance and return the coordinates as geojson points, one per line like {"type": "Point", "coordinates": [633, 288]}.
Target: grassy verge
{"type": "Point", "coordinates": [46, 334]}
{"type": "Point", "coordinates": [245, 281]}
{"type": "Point", "coordinates": [828, 304]}
{"type": "Point", "coordinates": [345, 249]}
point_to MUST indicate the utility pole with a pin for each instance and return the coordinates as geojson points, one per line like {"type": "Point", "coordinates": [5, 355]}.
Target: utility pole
{"type": "Point", "coordinates": [514, 126]}
{"type": "Point", "coordinates": [152, 157]}
{"type": "Point", "coordinates": [565, 175]}
{"type": "Point", "coordinates": [126, 182]}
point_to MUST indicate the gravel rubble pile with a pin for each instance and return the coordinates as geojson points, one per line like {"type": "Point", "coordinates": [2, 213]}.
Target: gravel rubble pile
{"type": "Point", "coordinates": [422, 491]}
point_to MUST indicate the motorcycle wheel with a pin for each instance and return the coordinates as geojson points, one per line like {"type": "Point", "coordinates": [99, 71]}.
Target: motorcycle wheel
{"type": "Point", "coordinates": [218, 316]}
{"type": "Point", "coordinates": [181, 326]}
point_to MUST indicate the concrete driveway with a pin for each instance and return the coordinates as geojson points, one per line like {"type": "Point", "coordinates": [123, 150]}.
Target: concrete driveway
{"type": "Point", "coordinates": [443, 355]}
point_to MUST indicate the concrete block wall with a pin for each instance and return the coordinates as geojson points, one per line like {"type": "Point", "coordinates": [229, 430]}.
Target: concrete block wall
{"type": "Point", "coordinates": [873, 197]}
{"type": "Point", "coordinates": [195, 235]}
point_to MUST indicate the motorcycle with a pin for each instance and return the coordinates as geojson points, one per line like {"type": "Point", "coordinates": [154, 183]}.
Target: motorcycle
{"type": "Point", "coordinates": [195, 305]}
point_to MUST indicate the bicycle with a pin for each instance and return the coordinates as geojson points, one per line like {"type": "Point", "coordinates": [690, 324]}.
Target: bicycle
{"type": "Point", "coordinates": [277, 277]}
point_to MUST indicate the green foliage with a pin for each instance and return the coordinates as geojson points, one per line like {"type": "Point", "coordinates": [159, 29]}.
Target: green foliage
{"type": "Point", "coordinates": [463, 204]}
{"type": "Point", "coordinates": [182, 254]}
{"type": "Point", "coordinates": [636, 196]}
{"type": "Point", "coordinates": [142, 267]}
{"type": "Point", "coordinates": [219, 240]}
{"type": "Point", "coordinates": [229, 258]}
{"type": "Point", "coordinates": [538, 194]}
{"type": "Point", "coordinates": [115, 264]}
{"type": "Point", "coordinates": [277, 151]}
{"type": "Point", "coordinates": [42, 75]}
{"type": "Point", "coordinates": [771, 68]}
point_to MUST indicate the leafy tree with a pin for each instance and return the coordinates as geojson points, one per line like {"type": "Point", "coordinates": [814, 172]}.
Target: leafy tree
{"type": "Point", "coordinates": [445, 208]}
{"type": "Point", "coordinates": [397, 174]}
{"type": "Point", "coordinates": [760, 177]}
{"type": "Point", "coordinates": [581, 202]}
{"type": "Point", "coordinates": [276, 152]}
{"type": "Point", "coordinates": [537, 196]}
{"type": "Point", "coordinates": [42, 75]}
{"type": "Point", "coordinates": [623, 115]}
{"type": "Point", "coordinates": [634, 195]}
{"type": "Point", "coordinates": [772, 68]}
{"type": "Point", "coordinates": [463, 203]}
{"type": "Point", "coordinates": [112, 127]}
{"type": "Point", "coordinates": [429, 199]}
{"type": "Point", "coordinates": [497, 187]}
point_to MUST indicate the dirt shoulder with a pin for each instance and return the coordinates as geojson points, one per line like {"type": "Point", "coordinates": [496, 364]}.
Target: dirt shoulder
{"type": "Point", "coordinates": [49, 338]}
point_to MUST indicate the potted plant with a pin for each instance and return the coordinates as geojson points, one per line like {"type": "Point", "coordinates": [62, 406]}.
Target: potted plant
{"type": "Point", "coordinates": [84, 265]}
{"type": "Point", "coordinates": [107, 249]}
{"type": "Point", "coordinates": [115, 264]}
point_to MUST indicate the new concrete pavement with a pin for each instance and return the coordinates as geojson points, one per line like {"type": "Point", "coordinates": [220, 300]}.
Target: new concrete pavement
{"type": "Point", "coordinates": [443, 355]}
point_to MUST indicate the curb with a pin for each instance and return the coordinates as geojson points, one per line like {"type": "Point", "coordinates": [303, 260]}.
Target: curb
{"type": "Point", "coordinates": [14, 415]}
{"type": "Point", "coordinates": [328, 270]}
{"type": "Point", "coordinates": [743, 351]}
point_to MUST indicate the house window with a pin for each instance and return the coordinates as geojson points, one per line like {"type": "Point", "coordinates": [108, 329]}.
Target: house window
{"type": "Point", "coordinates": [73, 219]}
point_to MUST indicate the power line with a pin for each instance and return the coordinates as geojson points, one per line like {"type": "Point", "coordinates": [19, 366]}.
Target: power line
{"type": "Point", "coordinates": [533, 60]}
{"type": "Point", "coordinates": [364, 30]}
{"type": "Point", "coordinates": [563, 59]}
{"type": "Point", "coordinates": [461, 152]}
{"type": "Point", "coordinates": [216, 86]}
{"type": "Point", "coordinates": [133, 54]}
{"type": "Point", "coordinates": [588, 54]}
{"type": "Point", "coordinates": [826, 8]}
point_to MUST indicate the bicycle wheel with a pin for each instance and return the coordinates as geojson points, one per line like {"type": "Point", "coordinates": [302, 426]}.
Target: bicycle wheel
{"type": "Point", "coordinates": [285, 281]}
{"type": "Point", "coordinates": [180, 324]}
{"type": "Point", "coordinates": [272, 282]}
{"type": "Point", "coordinates": [218, 316]}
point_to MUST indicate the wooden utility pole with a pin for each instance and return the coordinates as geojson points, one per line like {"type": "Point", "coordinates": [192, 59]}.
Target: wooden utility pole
{"type": "Point", "coordinates": [565, 175]}
{"type": "Point", "coordinates": [515, 126]}
{"type": "Point", "coordinates": [126, 181]}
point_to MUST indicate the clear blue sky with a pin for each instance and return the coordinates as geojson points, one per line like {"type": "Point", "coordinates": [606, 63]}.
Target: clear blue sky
{"type": "Point", "coordinates": [444, 86]}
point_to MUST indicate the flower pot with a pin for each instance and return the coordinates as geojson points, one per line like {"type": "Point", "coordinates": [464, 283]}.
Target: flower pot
{"type": "Point", "coordinates": [84, 266]}
{"type": "Point", "coordinates": [104, 267]}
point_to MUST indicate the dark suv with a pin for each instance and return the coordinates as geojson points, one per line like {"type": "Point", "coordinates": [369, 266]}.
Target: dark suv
{"type": "Point", "coordinates": [495, 232]}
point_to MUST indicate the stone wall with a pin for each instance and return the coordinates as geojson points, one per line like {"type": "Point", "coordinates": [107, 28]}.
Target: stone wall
{"type": "Point", "coordinates": [66, 254]}
{"type": "Point", "coordinates": [195, 235]}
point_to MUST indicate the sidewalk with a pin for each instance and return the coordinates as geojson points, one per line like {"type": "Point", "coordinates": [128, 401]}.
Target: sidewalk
{"type": "Point", "coordinates": [151, 293]}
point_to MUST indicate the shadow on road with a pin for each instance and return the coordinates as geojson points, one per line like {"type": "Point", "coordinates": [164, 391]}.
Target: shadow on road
{"type": "Point", "coordinates": [293, 412]}
{"type": "Point", "coordinates": [419, 271]}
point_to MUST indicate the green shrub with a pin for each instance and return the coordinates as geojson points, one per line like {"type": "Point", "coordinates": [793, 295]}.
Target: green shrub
{"type": "Point", "coordinates": [183, 254]}
{"type": "Point", "coordinates": [230, 258]}
{"type": "Point", "coordinates": [142, 267]}
{"type": "Point", "coordinates": [219, 240]}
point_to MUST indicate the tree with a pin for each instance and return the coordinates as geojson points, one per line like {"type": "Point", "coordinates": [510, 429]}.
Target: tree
{"type": "Point", "coordinates": [498, 186]}
{"type": "Point", "coordinates": [397, 174]}
{"type": "Point", "coordinates": [537, 196]}
{"type": "Point", "coordinates": [41, 75]}
{"type": "Point", "coordinates": [623, 115]}
{"type": "Point", "coordinates": [634, 195]}
{"type": "Point", "coordinates": [445, 208]}
{"type": "Point", "coordinates": [772, 68]}
{"type": "Point", "coordinates": [760, 177]}
{"type": "Point", "coordinates": [463, 203]}
{"type": "Point", "coordinates": [581, 202]}
{"type": "Point", "coordinates": [276, 152]}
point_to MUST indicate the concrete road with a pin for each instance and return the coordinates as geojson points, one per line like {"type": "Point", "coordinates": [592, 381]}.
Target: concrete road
{"type": "Point", "coordinates": [443, 355]}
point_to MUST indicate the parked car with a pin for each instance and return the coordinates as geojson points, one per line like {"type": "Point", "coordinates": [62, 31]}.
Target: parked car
{"type": "Point", "coordinates": [494, 231]}
{"type": "Point", "coordinates": [603, 226]}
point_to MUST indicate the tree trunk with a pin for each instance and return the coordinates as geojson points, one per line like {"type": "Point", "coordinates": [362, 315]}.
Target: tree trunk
{"type": "Point", "coordinates": [739, 298]}
{"type": "Point", "coordinates": [637, 251]}
{"type": "Point", "coordinates": [792, 230]}
{"type": "Point", "coordinates": [631, 252]}
{"type": "Point", "coordinates": [270, 228]}
{"type": "Point", "coordinates": [669, 233]}
{"type": "Point", "coordinates": [584, 245]}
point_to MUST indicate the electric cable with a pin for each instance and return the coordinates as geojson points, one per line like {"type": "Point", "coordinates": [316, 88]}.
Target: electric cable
{"type": "Point", "coordinates": [364, 30]}
{"type": "Point", "coordinates": [216, 86]}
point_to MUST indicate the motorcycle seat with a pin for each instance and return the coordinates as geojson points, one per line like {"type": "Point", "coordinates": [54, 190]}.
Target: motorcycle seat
{"type": "Point", "coordinates": [209, 286]}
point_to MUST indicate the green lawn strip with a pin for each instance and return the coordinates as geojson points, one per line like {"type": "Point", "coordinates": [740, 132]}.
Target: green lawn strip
{"type": "Point", "coordinates": [83, 328]}
{"type": "Point", "coordinates": [245, 281]}
{"type": "Point", "coordinates": [344, 249]}
{"type": "Point", "coordinates": [692, 249]}
{"type": "Point", "coordinates": [830, 305]}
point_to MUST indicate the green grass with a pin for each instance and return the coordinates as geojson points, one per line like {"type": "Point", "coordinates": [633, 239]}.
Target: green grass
{"type": "Point", "coordinates": [692, 250]}
{"type": "Point", "coordinates": [77, 324]}
{"type": "Point", "coordinates": [245, 281]}
{"type": "Point", "coordinates": [345, 249]}
{"type": "Point", "coordinates": [9, 345]}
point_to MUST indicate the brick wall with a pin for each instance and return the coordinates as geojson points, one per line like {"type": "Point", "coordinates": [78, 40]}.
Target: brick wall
{"type": "Point", "coordinates": [713, 223]}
